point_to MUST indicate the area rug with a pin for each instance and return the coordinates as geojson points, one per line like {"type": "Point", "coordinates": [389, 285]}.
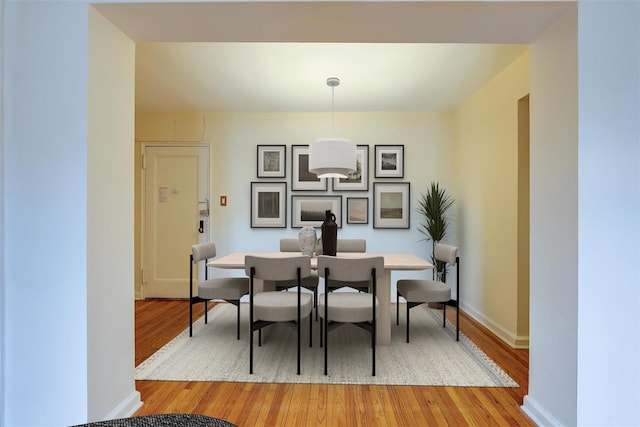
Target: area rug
{"type": "Point", "coordinates": [433, 357]}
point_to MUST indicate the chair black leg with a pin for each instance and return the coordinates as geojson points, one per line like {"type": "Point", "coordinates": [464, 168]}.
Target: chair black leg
{"type": "Point", "coordinates": [251, 351]}
{"type": "Point", "coordinates": [374, 324]}
{"type": "Point", "coordinates": [315, 301]}
{"type": "Point", "coordinates": [408, 321]}
{"type": "Point", "coordinates": [206, 312]}
{"type": "Point", "coordinates": [457, 322]}
{"type": "Point", "coordinates": [251, 321]}
{"type": "Point", "coordinates": [238, 322]}
{"type": "Point", "coordinates": [190, 318]}
{"type": "Point", "coordinates": [310, 331]}
{"type": "Point", "coordinates": [373, 349]}
{"type": "Point", "coordinates": [326, 339]}
{"type": "Point", "coordinates": [298, 371]}
{"type": "Point", "coordinates": [191, 295]}
{"type": "Point", "coordinates": [397, 308]}
{"type": "Point", "coordinates": [298, 348]}
{"type": "Point", "coordinates": [457, 298]}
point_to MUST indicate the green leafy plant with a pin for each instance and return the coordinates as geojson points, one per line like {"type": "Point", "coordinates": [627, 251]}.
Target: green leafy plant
{"type": "Point", "coordinates": [433, 206]}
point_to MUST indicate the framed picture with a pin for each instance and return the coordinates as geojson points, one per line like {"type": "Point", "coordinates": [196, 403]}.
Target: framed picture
{"type": "Point", "coordinates": [357, 210]}
{"type": "Point", "coordinates": [391, 205]}
{"type": "Point", "coordinates": [301, 178]}
{"type": "Point", "coordinates": [271, 161]}
{"type": "Point", "coordinates": [310, 210]}
{"type": "Point", "coordinates": [359, 180]}
{"type": "Point", "coordinates": [268, 205]}
{"type": "Point", "coordinates": [389, 161]}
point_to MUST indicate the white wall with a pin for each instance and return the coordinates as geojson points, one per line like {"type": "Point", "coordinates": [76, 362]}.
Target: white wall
{"type": "Point", "coordinates": [427, 140]}
{"type": "Point", "coordinates": [68, 206]}
{"type": "Point", "coordinates": [2, 212]}
{"type": "Point", "coordinates": [45, 281]}
{"type": "Point", "coordinates": [585, 227]}
{"type": "Point", "coordinates": [554, 225]}
{"type": "Point", "coordinates": [424, 135]}
{"type": "Point", "coordinates": [608, 372]}
{"type": "Point", "coordinates": [486, 168]}
{"type": "Point", "coordinates": [110, 310]}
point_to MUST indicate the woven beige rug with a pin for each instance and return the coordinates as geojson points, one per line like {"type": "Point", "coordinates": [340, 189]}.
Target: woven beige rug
{"type": "Point", "coordinates": [432, 358]}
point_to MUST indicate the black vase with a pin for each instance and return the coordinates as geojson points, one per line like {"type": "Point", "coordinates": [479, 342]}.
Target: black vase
{"type": "Point", "coordinates": [329, 234]}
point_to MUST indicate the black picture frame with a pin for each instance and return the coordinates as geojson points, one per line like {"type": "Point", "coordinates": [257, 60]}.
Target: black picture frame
{"type": "Point", "coordinates": [391, 204]}
{"type": "Point", "coordinates": [389, 161]}
{"type": "Point", "coordinates": [268, 204]}
{"type": "Point", "coordinates": [301, 178]}
{"type": "Point", "coordinates": [357, 210]}
{"type": "Point", "coordinates": [271, 161]}
{"type": "Point", "coordinates": [309, 210]}
{"type": "Point", "coordinates": [359, 180]}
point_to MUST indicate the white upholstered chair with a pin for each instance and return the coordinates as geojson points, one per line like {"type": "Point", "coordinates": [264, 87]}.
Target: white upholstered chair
{"type": "Point", "coordinates": [311, 282]}
{"type": "Point", "coordinates": [266, 308]}
{"type": "Point", "coordinates": [229, 289]}
{"type": "Point", "coordinates": [419, 291]}
{"type": "Point", "coordinates": [351, 245]}
{"type": "Point", "coordinates": [338, 308]}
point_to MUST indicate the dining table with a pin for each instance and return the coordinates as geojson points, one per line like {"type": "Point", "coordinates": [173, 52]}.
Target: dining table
{"type": "Point", "coordinates": [392, 262]}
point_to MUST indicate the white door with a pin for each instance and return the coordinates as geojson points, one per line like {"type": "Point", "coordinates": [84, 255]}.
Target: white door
{"type": "Point", "coordinates": [175, 216]}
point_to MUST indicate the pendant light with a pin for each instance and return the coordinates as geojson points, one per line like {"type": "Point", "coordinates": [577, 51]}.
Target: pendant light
{"type": "Point", "coordinates": [332, 157]}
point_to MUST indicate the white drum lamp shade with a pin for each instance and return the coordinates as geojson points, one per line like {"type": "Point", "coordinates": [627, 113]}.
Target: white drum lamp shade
{"type": "Point", "coordinates": [332, 157]}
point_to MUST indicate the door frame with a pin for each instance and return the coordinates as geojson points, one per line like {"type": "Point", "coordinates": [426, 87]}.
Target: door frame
{"type": "Point", "coordinates": [141, 197]}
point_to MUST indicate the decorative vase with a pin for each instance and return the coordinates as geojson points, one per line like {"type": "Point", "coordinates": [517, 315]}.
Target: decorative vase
{"type": "Point", "coordinates": [329, 234]}
{"type": "Point", "coordinates": [307, 239]}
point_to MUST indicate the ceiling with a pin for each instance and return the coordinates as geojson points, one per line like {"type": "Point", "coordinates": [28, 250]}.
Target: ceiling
{"type": "Point", "coordinates": [276, 56]}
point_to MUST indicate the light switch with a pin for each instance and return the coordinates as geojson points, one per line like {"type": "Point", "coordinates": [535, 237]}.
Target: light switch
{"type": "Point", "coordinates": [223, 200]}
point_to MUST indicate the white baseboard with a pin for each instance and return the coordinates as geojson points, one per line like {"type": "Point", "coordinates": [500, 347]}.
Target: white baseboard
{"type": "Point", "coordinates": [538, 414]}
{"type": "Point", "coordinates": [515, 341]}
{"type": "Point", "coordinates": [521, 342]}
{"type": "Point", "coordinates": [126, 408]}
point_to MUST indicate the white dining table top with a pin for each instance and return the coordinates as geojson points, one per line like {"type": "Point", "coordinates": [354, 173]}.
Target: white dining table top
{"type": "Point", "coordinates": [392, 260]}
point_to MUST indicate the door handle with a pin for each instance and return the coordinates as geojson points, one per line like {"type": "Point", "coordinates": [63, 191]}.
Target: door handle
{"type": "Point", "coordinates": [201, 229]}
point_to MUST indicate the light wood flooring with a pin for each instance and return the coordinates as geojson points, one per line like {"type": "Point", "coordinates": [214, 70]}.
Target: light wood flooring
{"type": "Point", "coordinates": [254, 404]}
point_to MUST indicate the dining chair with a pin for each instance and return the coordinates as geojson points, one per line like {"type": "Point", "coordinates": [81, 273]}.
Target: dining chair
{"type": "Point", "coordinates": [346, 245]}
{"type": "Point", "coordinates": [350, 245]}
{"type": "Point", "coordinates": [419, 291]}
{"type": "Point", "coordinates": [310, 282]}
{"type": "Point", "coordinates": [230, 289]}
{"type": "Point", "coordinates": [358, 308]}
{"type": "Point", "coordinates": [269, 307]}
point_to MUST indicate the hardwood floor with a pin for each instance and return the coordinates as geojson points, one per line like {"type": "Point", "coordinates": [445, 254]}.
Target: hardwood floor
{"type": "Point", "coordinates": [251, 404]}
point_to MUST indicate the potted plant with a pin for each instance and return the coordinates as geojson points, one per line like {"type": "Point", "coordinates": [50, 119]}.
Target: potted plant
{"type": "Point", "coordinates": [433, 206]}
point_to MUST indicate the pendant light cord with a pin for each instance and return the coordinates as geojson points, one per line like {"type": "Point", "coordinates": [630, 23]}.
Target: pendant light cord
{"type": "Point", "coordinates": [333, 82]}
{"type": "Point", "coordinates": [333, 89]}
